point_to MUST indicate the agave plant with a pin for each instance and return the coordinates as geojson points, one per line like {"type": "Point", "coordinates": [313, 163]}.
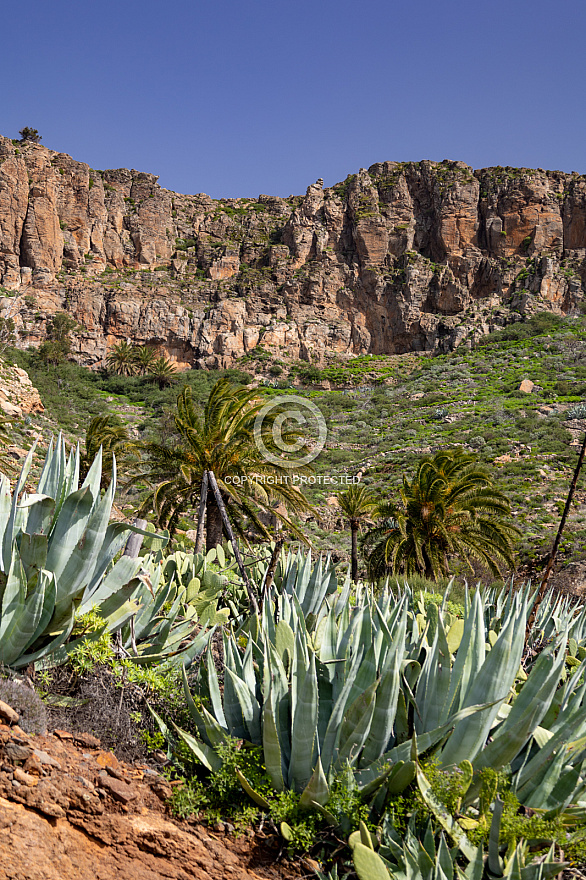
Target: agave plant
{"type": "Point", "coordinates": [323, 698]}
{"type": "Point", "coordinates": [432, 858]}
{"type": "Point", "coordinates": [311, 584]}
{"type": "Point", "coordinates": [164, 628]}
{"type": "Point", "coordinates": [336, 684]}
{"type": "Point", "coordinates": [56, 557]}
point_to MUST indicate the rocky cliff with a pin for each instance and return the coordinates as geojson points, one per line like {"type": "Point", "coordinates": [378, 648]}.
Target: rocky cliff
{"type": "Point", "coordinates": [399, 257]}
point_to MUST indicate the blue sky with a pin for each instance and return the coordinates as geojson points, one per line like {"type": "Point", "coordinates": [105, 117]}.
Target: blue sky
{"type": "Point", "coordinates": [236, 99]}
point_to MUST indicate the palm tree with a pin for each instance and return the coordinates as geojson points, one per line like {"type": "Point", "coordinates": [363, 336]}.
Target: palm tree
{"type": "Point", "coordinates": [357, 504]}
{"type": "Point", "coordinates": [122, 360]}
{"type": "Point", "coordinates": [162, 371]}
{"type": "Point", "coordinates": [144, 358]}
{"type": "Point", "coordinates": [109, 433]}
{"type": "Point", "coordinates": [222, 440]}
{"type": "Point", "coordinates": [450, 508]}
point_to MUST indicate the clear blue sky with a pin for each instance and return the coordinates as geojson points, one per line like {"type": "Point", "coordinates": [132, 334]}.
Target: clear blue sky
{"type": "Point", "coordinates": [239, 98]}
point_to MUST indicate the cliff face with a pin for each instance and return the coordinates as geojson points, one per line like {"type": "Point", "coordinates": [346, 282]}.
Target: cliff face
{"type": "Point", "coordinates": [402, 256]}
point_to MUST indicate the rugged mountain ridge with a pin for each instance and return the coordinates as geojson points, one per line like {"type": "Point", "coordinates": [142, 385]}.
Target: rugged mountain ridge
{"type": "Point", "coordinates": [399, 257]}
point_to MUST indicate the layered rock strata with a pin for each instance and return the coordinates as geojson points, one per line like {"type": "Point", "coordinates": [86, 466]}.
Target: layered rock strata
{"type": "Point", "coordinates": [399, 257]}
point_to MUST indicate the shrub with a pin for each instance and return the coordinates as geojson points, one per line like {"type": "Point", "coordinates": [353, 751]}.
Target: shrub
{"type": "Point", "coordinates": [30, 134]}
{"type": "Point", "coordinates": [28, 704]}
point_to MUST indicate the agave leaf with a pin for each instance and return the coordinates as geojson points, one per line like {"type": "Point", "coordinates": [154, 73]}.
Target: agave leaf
{"type": "Point", "coordinates": [59, 637]}
{"type": "Point", "coordinates": [5, 503]}
{"type": "Point", "coordinates": [23, 618]}
{"type": "Point", "coordinates": [333, 730]}
{"type": "Point", "coordinates": [114, 540]}
{"type": "Point", "coordinates": [248, 706]}
{"type": "Point", "coordinates": [251, 792]}
{"type": "Point", "coordinates": [367, 674]}
{"type": "Point", "coordinates": [444, 859]}
{"type": "Point", "coordinates": [188, 654]}
{"type": "Point", "coordinates": [69, 528]}
{"type": "Point", "coordinates": [214, 689]}
{"type": "Point", "coordinates": [428, 740]}
{"type": "Point", "coordinates": [9, 528]}
{"type": "Point", "coordinates": [50, 479]}
{"type": "Point", "coordinates": [94, 475]}
{"type": "Point", "coordinates": [492, 684]}
{"type": "Point", "coordinates": [529, 777]}
{"type": "Point", "coordinates": [161, 634]}
{"type": "Point", "coordinates": [526, 713]}
{"type": "Point", "coordinates": [45, 583]}
{"type": "Point", "coordinates": [41, 510]}
{"type": "Point", "coordinates": [434, 682]}
{"type": "Point", "coordinates": [317, 790]}
{"type": "Point", "coordinates": [193, 709]}
{"type": "Point", "coordinates": [565, 791]}
{"type": "Point", "coordinates": [356, 725]}
{"type": "Point", "coordinates": [204, 754]}
{"type": "Point", "coordinates": [442, 815]}
{"type": "Point", "coordinates": [304, 731]}
{"type": "Point", "coordinates": [469, 660]}
{"type": "Point", "coordinates": [146, 618]}
{"type": "Point", "coordinates": [119, 607]}
{"type": "Point", "coordinates": [368, 781]}
{"type": "Point", "coordinates": [494, 860]}
{"type": "Point", "coordinates": [13, 596]}
{"type": "Point", "coordinates": [273, 757]}
{"type": "Point", "coordinates": [33, 553]}
{"type": "Point", "coordinates": [86, 551]}
{"type": "Point", "coordinates": [559, 778]}
{"type": "Point", "coordinates": [279, 689]}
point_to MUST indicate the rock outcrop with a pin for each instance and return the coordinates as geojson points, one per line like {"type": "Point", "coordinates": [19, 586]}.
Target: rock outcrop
{"type": "Point", "coordinates": [399, 257]}
{"type": "Point", "coordinates": [72, 811]}
{"type": "Point", "coordinates": [18, 396]}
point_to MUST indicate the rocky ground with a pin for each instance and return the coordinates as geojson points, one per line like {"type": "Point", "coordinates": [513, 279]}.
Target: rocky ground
{"type": "Point", "coordinates": [69, 810]}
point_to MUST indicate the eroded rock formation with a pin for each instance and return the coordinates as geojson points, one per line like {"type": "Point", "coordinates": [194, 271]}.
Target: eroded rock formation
{"type": "Point", "coordinates": [74, 812]}
{"type": "Point", "coordinates": [399, 257]}
{"type": "Point", "coordinates": [18, 396]}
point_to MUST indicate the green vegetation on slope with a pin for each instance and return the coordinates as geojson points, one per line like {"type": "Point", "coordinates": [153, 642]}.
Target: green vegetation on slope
{"type": "Point", "coordinates": [472, 399]}
{"type": "Point", "coordinates": [384, 413]}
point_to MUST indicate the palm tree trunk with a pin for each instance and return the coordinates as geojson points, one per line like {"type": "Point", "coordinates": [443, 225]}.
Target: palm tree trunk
{"type": "Point", "coordinates": [203, 498]}
{"type": "Point", "coordinates": [429, 572]}
{"type": "Point", "coordinates": [213, 523]}
{"type": "Point", "coordinates": [354, 528]}
{"type": "Point", "coordinates": [226, 522]}
{"type": "Point", "coordinates": [552, 556]}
